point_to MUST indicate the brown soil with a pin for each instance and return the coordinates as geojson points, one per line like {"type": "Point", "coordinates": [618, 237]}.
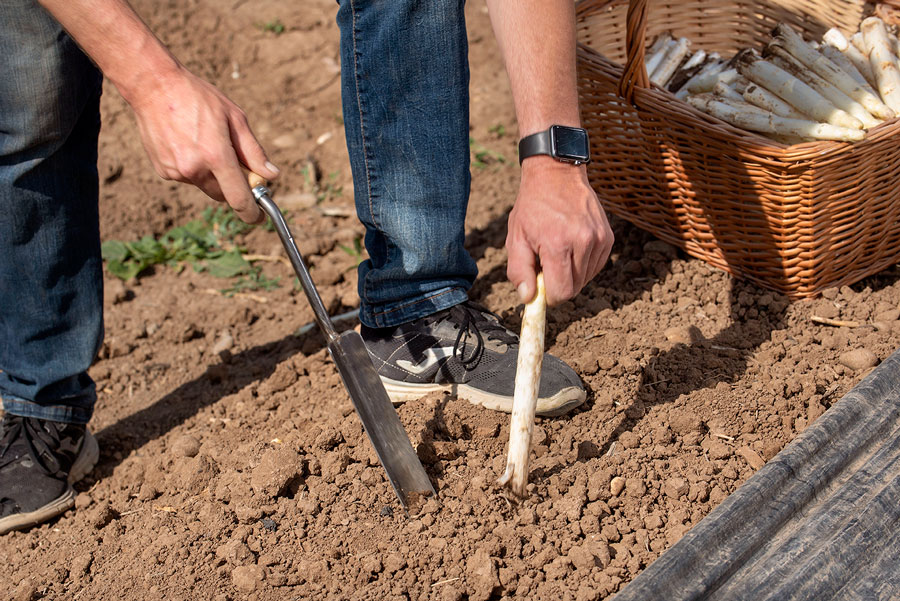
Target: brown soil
{"type": "Point", "coordinates": [233, 466]}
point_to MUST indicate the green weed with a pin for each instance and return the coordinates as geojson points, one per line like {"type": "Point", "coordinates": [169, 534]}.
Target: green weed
{"type": "Point", "coordinates": [356, 251]}
{"type": "Point", "coordinates": [206, 244]}
{"type": "Point", "coordinates": [255, 280]}
{"type": "Point", "coordinates": [483, 156]}
{"type": "Point", "coordinates": [275, 26]}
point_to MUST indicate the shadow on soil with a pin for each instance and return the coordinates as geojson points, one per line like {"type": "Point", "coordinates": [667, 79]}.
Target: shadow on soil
{"type": "Point", "coordinates": [219, 380]}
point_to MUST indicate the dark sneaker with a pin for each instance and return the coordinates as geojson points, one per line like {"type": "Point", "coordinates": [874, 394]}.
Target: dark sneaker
{"type": "Point", "coordinates": [466, 351]}
{"type": "Point", "coordinates": [39, 461]}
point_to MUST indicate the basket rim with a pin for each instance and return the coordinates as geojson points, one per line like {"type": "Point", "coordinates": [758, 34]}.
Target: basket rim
{"type": "Point", "coordinates": [752, 142]}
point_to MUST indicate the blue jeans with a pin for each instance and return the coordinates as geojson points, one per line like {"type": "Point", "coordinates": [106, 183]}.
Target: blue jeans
{"type": "Point", "coordinates": [404, 88]}
{"type": "Point", "coordinates": [405, 96]}
{"type": "Point", "coordinates": [50, 267]}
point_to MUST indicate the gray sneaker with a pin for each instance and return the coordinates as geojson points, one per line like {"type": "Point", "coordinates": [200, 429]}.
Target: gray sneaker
{"type": "Point", "coordinates": [466, 351]}
{"type": "Point", "coordinates": [39, 462]}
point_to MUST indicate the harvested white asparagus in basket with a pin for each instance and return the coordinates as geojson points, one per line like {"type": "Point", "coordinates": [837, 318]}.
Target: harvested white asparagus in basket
{"type": "Point", "coordinates": [725, 91]}
{"type": "Point", "coordinates": [835, 47]}
{"type": "Point", "coordinates": [709, 81]}
{"type": "Point", "coordinates": [525, 395]}
{"type": "Point", "coordinates": [881, 57]}
{"type": "Point", "coordinates": [792, 43]}
{"type": "Point", "coordinates": [766, 100]}
{"type": "Point", "coordinates": [828, 91]}
{"type": "Point", "coordinates": [674, 57]}
{"type": "Point", "coordinates": [657, 51]}
{"type": "Point", "coordinates": [793, 91]}
{"type": "Point", "coordinates": [747, 116]}
{"type": "Point", "coordinates": [696, 59]}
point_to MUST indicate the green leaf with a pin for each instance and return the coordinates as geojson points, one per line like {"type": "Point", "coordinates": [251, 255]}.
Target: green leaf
{"type": "Point", "coordinates": [114, 250]}
{"type": "Point", "coordinates": [228, 265]}
{"type": "Point", "coordinates": [125, 271]}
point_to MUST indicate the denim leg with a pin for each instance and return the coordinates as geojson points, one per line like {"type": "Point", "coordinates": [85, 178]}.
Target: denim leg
{"type": "Point", "coordinates": [51, 322]}
{"type": "Point", "coordinates": [404, 88]}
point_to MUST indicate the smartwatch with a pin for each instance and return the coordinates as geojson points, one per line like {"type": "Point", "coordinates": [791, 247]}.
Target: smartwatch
{"type": "Point", "coordinates": [565, 144]}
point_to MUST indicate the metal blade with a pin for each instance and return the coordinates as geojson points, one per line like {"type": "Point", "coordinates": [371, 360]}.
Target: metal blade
{"type": "Point", "coordinates": [380, 419]}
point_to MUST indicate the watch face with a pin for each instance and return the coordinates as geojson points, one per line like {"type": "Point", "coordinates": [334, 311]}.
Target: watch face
{"type": "Point", "coordinates": [570, 143]}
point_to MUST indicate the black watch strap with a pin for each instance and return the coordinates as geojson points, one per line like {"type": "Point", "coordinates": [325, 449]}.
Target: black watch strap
{"type": "Point", "coordinates": [538, 143]}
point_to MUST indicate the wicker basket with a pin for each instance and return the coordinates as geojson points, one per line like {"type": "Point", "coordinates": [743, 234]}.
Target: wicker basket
{"type": "Point", "coordinates": [796, 219]}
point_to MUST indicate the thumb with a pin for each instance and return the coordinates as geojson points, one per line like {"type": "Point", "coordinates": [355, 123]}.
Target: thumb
{"type": "Point", "coordinates": [522, 270]}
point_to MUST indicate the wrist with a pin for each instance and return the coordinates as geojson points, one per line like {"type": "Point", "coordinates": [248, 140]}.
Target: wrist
{"type": "Point", "coordinates": [561, 142]}
{"type": "Point", "coordinates": [155, 69]}
{"type": "Point", "coordinates": [545, 166]}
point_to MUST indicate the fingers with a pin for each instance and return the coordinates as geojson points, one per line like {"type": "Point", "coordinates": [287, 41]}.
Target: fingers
{"type": "Point", "coordinates": [236, 190]}
{"type": "Point", "coordinates": [521, 269]}
{"type": "Point", "coordinates": [248, 149]}
{"type": "Point", "coordinates": [559, 277]}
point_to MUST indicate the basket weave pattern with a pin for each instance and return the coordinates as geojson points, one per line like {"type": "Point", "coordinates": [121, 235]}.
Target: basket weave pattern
{"type": "Point", "coordinates": [796, 219]}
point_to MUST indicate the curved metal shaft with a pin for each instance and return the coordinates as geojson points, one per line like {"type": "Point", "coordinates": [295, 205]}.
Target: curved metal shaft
{"type": "Point", "coordinates": [265, 202]}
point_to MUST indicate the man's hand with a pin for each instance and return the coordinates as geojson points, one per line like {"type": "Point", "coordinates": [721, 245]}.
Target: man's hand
{"type": "Point", "coordinates": [191, 131]}
{"type": "Point", "coordinates": [194, 134]}
{"type": "Point", "coordinates": [558, 219]}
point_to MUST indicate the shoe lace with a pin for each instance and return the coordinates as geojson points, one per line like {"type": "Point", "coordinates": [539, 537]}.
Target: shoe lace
{"type": "Point", "coordinates": [481, 324]}
{"type": "Point", "coordinates": [38, 442]}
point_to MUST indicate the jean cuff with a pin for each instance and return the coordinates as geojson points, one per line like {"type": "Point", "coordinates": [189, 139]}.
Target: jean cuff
{"type": "Point", "coordinates": [55, 413]}
{"type": "Point", "coordinates": [390, 315]}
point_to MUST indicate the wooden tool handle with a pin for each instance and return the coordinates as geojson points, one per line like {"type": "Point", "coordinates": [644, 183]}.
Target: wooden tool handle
{"type": "Point", "coordinates": [256, 179]}
{"type": "Point", "coordinates": [528, 380]}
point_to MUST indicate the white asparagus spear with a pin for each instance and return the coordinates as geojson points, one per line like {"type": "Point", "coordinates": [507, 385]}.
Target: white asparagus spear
{"type": "Point", "coordinates": [747, 116]}
{"type": "Point", "coordinates": [838, 51]}
{"type": "Point", "coordinates": [710, 69]}
{"type": "Point", "coordinates": [860, 60]}
{"type": "Point", "coordinates": [766, 100]}
{"type": "Point", "coordinates": [707, 83]}
{"type": "Point", "coordinates": [696, 59]}
{"type": "Point", "coordinates": [881, 57]}
{"type": "Point", "coordinates": [669, 64]}
{"type": "Point", "coordinates": [793, 91]}
{"type": "Point", "coordinates": [843, 61]}
{"type": "Point", "coordinates": [782, 59]}
{"type": "Point", "coordinates": [791, 41]}
{"type": "Point", "coordinates": [741, 84]}
{"type": "Point", "coordinates": [726, 91]}
{"type": "Point", "coordinates": [659, 54]}
{"type": "Point", "coordinates": [525, 395]}
{"type": "Point", "coordinates": [689, 68]}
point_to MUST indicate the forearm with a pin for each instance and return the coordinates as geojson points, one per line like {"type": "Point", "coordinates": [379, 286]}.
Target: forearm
{"type": "Point", "coordinates": [537, 40]}
{"type": "Point", "coordinates": [118, 41]}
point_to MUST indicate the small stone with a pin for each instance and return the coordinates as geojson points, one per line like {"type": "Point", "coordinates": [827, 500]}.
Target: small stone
{"type": "Point", "coordinates": [858, 359]}
{"type": "Point", "coordinates": [719, 450]}
{"type": "Point", "coordinates": [617, 485]}
{"type": "Point", "coordinates": [247, 578]}
{"type": "Point", "coordinates": [235, 552]}
{"type": "Point", "coordinates": [81, 565]}
{"type": "Point", "coordinates": [387, 511]}
{"type": "Point", "coordinates": [751, 457]}
{"type": "Point", "coordinates": [482, 575]}
{"type": "Point", "coordinates": [680, 335]}
{"type": "Point", "coordinates": [629, 440]}
{"type": "Point", "coordinates": [224, 342]}
{"type": "Point", "coordinates": [186, 446]}
{"type": "Point", "coordinates": [676, 487]}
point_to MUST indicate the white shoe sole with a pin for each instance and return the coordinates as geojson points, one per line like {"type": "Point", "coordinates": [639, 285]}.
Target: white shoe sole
{"type": "Point", "coordinates": [559, 404]}
{"type": "Point", "coordinates": [84, 463]}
